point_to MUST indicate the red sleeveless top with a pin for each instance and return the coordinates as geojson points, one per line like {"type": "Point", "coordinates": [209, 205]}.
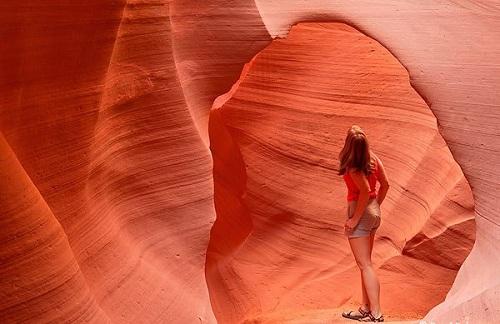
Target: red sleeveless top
{"type": "Point", "coordinates": [352, 189]}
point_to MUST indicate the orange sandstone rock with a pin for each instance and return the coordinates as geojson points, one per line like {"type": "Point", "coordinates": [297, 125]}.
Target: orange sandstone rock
{"type": "Point", "coordinates": [287, 121]}
{"type": "Point", "coordinates": [93, 109]}
{"type": "Point", "coordinates": [105, 149]}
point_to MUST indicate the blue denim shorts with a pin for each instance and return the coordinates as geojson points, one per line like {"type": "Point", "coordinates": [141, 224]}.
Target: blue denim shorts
{"type": "Point", "coordinates": [369, 221]}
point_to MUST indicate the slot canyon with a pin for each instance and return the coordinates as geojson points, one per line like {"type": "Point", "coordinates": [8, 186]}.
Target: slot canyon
{"type": "Point", "coordinates": [277, 247]}
{"type": "Point", "coordinates": [175, 161]}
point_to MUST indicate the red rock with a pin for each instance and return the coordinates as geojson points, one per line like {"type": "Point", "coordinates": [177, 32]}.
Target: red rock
{"type": "Point", "coordinates": [40, 277]}
{"type": "Point", "coordinates": [452, 56]}
{"type": "Point", "coordinates": [104, 121]}
{"type": "Point", "coordinates": [287, 120]}
{"type": "Point", "coordinates": [93, 109]}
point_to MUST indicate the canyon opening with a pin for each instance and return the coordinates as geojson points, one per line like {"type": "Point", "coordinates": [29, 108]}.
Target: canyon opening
{"type": "Point", "coordinates": [277, 252]}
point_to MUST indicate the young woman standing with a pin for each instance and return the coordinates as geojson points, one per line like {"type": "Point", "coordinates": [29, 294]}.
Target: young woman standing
{"type": "Point", "coordinates": [361, 170]}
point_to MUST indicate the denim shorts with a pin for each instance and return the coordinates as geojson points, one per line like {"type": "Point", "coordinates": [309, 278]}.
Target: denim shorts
{"type": "Point", "coordinates": [369, 221]}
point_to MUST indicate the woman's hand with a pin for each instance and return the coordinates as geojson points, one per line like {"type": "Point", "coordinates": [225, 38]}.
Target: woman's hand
{"type": "Point", "coordinates": [361, 181]}
{"type": "Point", "coordinates": [350, 224]}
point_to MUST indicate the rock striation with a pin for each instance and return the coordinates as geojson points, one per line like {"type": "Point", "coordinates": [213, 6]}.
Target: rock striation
{"type": "Point", "coordinates": [107, 179]}
{"type": "Point", "coordinates": [277, 244]}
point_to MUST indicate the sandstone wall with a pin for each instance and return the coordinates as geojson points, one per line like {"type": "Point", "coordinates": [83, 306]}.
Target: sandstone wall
{"type": "Point", "coordinates": [104, 122]}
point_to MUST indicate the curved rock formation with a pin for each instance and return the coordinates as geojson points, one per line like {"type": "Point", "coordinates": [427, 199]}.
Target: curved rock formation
{"type": "Point", "coordinates": [451, 54]}
{"type": "Point", "coordinates": [278, 242]}
{"type": "Point", "coordinates": [40, 277]}
{"type": "Point", "coordinates": [103, 116]}
{"type": "Point", "coordinates": [94, 111]}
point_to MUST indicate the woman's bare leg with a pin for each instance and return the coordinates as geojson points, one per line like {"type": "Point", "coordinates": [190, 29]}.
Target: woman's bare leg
{"type": "Point", "coordinates": [361, 249]}
{"type": "Point", "coordinates": [366, 302]}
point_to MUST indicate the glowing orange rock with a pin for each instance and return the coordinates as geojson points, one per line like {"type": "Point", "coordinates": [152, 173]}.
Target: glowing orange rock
{"type": "Point", "coordinates": [104, 122]}
{"type": "Point", "coordinates": [286, 123]}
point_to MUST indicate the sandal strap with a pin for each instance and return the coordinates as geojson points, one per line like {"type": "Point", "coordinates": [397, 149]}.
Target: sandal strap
{"type": "Point", "coordinates": [363, 312]}
{"type": "Point", "coordinates": [349, 314]}
{"type": "Point", "coordinates": [374, 319]}
{"type": "Point", "coordinates": [371, 318]}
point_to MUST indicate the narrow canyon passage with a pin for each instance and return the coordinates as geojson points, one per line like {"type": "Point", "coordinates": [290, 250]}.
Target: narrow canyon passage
{"type": "Point", "coordinates": [277, 250]}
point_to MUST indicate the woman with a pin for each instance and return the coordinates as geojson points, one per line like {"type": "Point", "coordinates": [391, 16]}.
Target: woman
{"type": "Point", "coordinates": [361, 170]}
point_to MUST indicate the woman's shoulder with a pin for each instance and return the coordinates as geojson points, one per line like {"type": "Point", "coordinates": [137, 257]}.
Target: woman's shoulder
{"type": "Point", "coordinates": [374, 161]}
{"type": "Point", "coordinates": [374, 157]}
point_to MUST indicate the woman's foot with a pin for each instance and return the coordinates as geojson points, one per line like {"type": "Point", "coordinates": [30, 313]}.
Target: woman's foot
{"type": "Point", "coordinates": [356, 315]}
{"type": "Point", "coordinates": [372, 318]}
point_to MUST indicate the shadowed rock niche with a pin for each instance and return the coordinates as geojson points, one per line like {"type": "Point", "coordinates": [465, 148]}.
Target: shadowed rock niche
{"type": "Point", "coordinates": [277, 252]}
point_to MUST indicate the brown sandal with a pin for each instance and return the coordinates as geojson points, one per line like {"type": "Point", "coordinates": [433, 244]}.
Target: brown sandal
{"type": "Point", "coordinates": [371, 318]}
{"type": "Point", "coordinates": [362, 313]}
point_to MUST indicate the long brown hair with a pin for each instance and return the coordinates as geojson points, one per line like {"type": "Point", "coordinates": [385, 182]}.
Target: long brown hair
{"type": "Point", "coordinates": [356, 152]}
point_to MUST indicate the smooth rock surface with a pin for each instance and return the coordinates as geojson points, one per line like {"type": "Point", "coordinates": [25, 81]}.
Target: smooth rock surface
{"type": "Point", "coordinates": [93, 109]}
{"type": "Point", "coordinates": [451, 52]}
{"type": "Point", "coordinates": [104, 121]}
{"type": "Point", "coordinates": [286, 123]}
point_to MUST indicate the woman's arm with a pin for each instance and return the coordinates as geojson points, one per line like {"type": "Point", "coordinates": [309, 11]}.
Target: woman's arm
{"type": "Point", "coordinates": [364, 189]}
{"type": "Point", "coordinates": [384, 183]}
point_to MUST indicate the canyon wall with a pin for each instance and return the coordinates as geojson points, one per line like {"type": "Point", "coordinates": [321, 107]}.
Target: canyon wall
{"type": "Point", "coordinates": [107, 195]}
{"type": "Point", "coordinates": [93, 110]}
{"type": "Point", "coordinates": [286, 121]}
{"type": "Point", "coordinates": [451, 52]}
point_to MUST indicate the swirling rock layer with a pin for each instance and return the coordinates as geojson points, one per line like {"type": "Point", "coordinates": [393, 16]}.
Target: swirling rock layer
{"type": "Point", "coordinates": [107, 190]}
{"type": "Point", "coordinates": [95, 113]}
{"type": "Point", "coordinates": [278, 242]}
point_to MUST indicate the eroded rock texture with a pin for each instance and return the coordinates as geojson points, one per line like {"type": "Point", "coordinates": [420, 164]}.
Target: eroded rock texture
{"type": "Point", "coordinates": [94, 111]}
{"type": "Point", "coordinates": [106, 176]}
{"type": "Point", "coordinates": [278, 244]}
